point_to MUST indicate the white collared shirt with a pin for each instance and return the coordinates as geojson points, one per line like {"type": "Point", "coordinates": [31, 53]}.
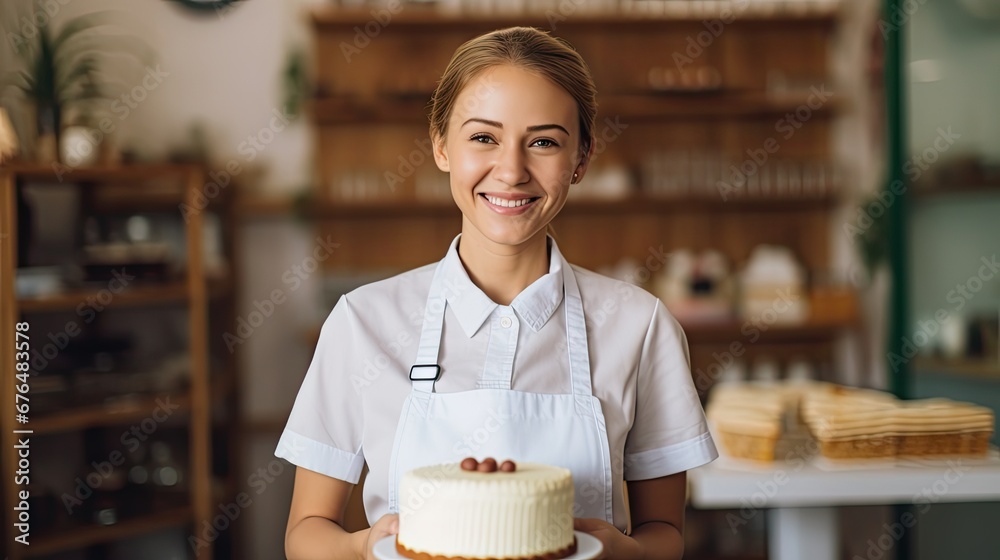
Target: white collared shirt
{"type": "Point", "coordinates": [349, 404]}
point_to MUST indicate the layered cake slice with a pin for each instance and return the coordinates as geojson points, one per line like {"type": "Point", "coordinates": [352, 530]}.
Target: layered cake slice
{"type": "Point", "coordinates": [942, 427]}
{"type": "Point", "coordinates": [854, 430]}
{"type": "Point", "coordinates": [747, 420]}
{"type": "Point", "coordinates": [865, 427]}
{"type": "Point", "coordinates": [747, 434]}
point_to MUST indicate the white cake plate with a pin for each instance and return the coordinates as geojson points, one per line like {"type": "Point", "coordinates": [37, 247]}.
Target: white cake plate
{"type": "Point", "coordinates": [587, 547]}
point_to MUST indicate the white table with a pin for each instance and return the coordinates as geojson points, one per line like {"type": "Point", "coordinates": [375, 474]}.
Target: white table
{"type": "Point", "coordinates": [800, 498]}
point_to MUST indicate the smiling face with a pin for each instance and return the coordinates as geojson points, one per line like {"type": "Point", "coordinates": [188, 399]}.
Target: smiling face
{"type": "Point", "coordinates": [512, 147]}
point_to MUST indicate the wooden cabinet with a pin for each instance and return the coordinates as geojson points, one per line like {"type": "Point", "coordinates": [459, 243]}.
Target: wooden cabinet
{"type": "Point", "coordinates": [76, 414]}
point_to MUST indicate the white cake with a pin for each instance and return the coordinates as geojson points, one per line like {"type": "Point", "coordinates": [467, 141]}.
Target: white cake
{"type": "Point", "coordinates": [448, 512]}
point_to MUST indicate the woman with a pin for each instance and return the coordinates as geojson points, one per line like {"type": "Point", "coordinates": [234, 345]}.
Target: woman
{"type": "Point", "coordinates": [494, 338]}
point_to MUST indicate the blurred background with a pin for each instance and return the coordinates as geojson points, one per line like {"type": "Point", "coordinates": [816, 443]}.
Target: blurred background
{"type": "Point", "coordinates": [811, 186]}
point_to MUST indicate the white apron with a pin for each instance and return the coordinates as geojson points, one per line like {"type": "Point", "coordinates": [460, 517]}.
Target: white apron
{"type": "Point", "coordinates": [567, 430]}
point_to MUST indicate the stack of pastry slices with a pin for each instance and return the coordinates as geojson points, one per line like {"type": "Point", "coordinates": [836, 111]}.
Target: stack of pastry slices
{"type": "Point", "coordinates": [751, 419]}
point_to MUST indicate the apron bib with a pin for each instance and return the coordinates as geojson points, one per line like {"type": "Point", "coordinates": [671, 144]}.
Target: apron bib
{"type": "Point", "coordinates": [567, 430]}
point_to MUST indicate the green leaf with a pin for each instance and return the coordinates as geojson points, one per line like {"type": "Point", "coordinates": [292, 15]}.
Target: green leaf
{"type": "Point", "coordinates": [67, 77]}
{"type": "Point", "coordinates": [90, 97]}
{"type": "Point", "coordinates": [44, 71]}
{"type": "Point", "coordinates": [80, 24]}
{"type": "Point", "coordinates": [109, 91]}
{"type": "Point", "coordinates": [118, 45]}
{"type": "Point", "coordinates": [19, 79]}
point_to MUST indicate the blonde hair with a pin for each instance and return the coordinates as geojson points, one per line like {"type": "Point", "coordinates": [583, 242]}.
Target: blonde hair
{"type": "Point", "coordinates": [523, 47]}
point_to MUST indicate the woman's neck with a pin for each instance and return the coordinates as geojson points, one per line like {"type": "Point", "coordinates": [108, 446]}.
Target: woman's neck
{"type": "Point", "coordinates": [503, 271]}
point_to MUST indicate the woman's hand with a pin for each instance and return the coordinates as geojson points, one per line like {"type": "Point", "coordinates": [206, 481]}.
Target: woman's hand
{"type": "Point", "coordinates": [387, 525]}
{"type": "Point", "coordinates": [615, 544]}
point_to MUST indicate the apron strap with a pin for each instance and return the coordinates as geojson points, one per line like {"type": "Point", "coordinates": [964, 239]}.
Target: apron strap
{"type": "Point", "coordinates": [426, 370]}
{"type": "Point", "coordinates": [576, 335]}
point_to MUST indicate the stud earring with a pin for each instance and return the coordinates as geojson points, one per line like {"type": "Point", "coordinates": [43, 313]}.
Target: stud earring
{"type": "Point", "coordinates": [575, 175]}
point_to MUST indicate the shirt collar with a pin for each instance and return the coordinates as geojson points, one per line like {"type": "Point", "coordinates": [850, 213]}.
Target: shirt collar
{"type": "Point", "coordinates": [471, 306]}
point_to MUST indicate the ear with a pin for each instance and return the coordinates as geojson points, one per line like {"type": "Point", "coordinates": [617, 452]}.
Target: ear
{"type": "Point", "coordinates": [440, 153]}
{"type": "Point", "coordinates": [583, 164]}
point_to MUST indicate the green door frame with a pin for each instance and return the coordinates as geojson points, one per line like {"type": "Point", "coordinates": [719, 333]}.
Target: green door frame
{"type": "Point", "coordinates": [896, 126]}
{"type": "Point", "coordinates": [898, 213]}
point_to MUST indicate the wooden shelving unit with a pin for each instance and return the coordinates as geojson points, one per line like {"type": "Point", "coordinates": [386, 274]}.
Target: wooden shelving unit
{"type": "Point", "coordinates": [371, 120]}
{"type": "Point", "coordinates": [113, 191]}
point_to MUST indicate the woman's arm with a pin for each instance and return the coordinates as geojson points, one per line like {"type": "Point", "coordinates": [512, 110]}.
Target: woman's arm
{"type": "Point", "coordinates": [656, 507]}
{"type": "Point", "coordinates": [315, 521]}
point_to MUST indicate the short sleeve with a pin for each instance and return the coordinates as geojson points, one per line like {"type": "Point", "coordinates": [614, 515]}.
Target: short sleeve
{"type": "Point", "coordinates": [325, 428]}
{"type": "Point", "coordinates": [669, 433]}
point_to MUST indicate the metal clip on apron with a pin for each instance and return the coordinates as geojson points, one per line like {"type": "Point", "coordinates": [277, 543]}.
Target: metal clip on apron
{"type": "Point", "coordinates": [567, 430]}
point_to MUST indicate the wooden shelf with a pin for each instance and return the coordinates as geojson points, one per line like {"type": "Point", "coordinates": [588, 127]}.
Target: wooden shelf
{"type": "Point", "coordinates": [712, 104]}
{"type": "Point", "coordinates": [116, 174]}
{"type": "Point", "coordinates": [387, 109]}
{"type": "Point", "coordinates": [264, 206]}
{"type": "Point", "coordinates": [962, 177]}
{"type": "Point", "coordinates": [630, 205]}
{"type": "Point", "coordinates": [95, 415]}
{"type": "Point", "coordinates": [139, 294]}
{"type": "Point", "coordinates": [988, 369]}
{"type": "Point", "coordinates": [115, 191]}
{"type": "Point", "coordinates": [81, 537]}
{"type": "Point", "coordinates": [429, 19]}
{"type": "Point", "coordinates": [668, 204]}
{"type": "Point", "coordinates": [725, 332]}
{"type": "Point", "coordinates": [263, 426]}
{"type": "Point", "coordinates": [956, 190]}
{"type": "Point", "coordinates": [112, 199]}
{"type": "Point", "coordinates": [412, 108]}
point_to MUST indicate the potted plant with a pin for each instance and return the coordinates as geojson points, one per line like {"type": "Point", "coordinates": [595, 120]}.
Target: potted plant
{"type": "Point", "coordinates": [68, 73]}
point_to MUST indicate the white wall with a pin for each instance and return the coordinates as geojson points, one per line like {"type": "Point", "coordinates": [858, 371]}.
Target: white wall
{"type": "Point", "coordinates": [953, 85]}
{"type": "Point", "coordinates": [955, 80]}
